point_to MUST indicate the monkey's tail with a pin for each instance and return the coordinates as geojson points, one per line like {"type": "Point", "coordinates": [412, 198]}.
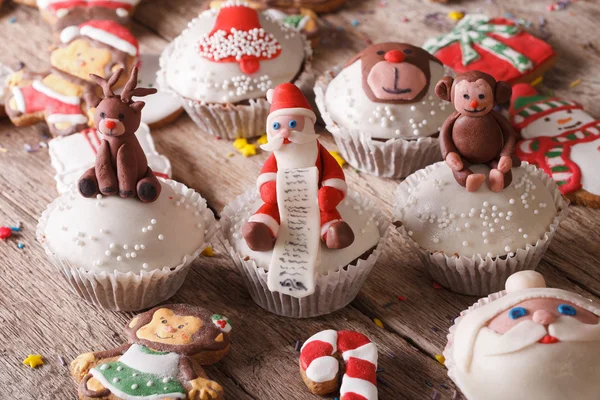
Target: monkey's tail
{"type": "Point", "coordinates": [92, 393]}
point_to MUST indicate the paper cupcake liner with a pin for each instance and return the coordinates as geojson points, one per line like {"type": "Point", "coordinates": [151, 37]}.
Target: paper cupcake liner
{"type": "Point", "coordinates": [237, 120]}
{"type": "Point", "coordinates": [393, 158]}
{"type": "Point", "coordinates": [119, 291]}
{"type": "Point", "coordinates": [477, 275]}
{"type": "Point", "coordinates": [333, 291]}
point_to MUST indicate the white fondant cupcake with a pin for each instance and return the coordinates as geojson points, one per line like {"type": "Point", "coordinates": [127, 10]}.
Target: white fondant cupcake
{"type": "Point", "coordinates": [382, 109]}
{"type": "Point", "coordinates": [526, 342]}
{"type": "Point", "coordinates": [123, 254]}
{"type": "Point", "coordinates": [302, 243]}
{"type": "Point", "coordinates": [225, 61]}
{"type": "Point", "coordinates": [471, 242]}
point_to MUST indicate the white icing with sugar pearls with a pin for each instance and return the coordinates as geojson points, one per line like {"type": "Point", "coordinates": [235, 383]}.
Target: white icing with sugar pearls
{"type": "Point", "coordinates": [108, 233]}
{"type": "Point", "coordinates": [440, 215]}
{"type": "Point", "coordinates": [198, 78]}
{"type": "Point", "coordinates": [362, 221]}
{"type": "Point", "coordinates": [350, 107]}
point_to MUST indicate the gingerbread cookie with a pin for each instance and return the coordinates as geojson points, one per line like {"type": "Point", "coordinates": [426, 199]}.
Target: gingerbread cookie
{"type": "Point", "coordinates": [72, 155]}
{"type": "Point", "coordinates": [319, 6]}
{"type": "Point", "coordinates": [121, 165]}
{"type": "Point", "coordinates": [562, 139]}
{"type": "Point", "coordinates": [495, 46]}
{"type": "Point", "coordinates": [475, 133]}
{"type": "Point", "coordinates": [61, 97]}
{"type": "Point", "coordinates": [161, 359]}
{"type": "Point", "coordinates": [63, 13]}
{"type": "Point", "coordinates": [319, 365]}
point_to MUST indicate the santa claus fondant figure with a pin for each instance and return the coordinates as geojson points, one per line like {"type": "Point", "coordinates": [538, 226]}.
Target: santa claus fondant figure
{"type": "Point", "coordinates": [527, 343]}
{"type": "Point", "coordinates": [562, 139]}
{"type": "Point", "coordinates": [293, 141]}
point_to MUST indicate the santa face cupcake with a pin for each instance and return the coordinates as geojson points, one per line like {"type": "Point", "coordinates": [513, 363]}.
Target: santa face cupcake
{"type": "Point", "coordinates": [122, 238]}
{"type": "Point", "coordinates": [382, 110]}
{"type": "Point", "coordinates": [233, 56]}
{"type": "Point", "coordinates": [303, 244]}
{"type": "Point", "coordinates": [528, 342]}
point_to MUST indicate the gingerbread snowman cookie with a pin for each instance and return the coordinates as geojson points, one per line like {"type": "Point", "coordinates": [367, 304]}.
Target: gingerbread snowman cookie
{"type": "Point", "coordinates": [60, 98]}
{"type": "Point", "coordinates": [558, 136]}
{"type": "Point", "coordinates": [161, 359]}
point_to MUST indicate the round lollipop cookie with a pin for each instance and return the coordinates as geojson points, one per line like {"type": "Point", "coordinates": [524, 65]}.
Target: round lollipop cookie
{"type": "Point", "coordinates": [382, 110]}
{"type": "Point", "coordinates": [527, 342]}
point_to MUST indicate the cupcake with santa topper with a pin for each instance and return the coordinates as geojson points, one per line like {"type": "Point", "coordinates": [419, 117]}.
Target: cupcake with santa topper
{"type": "Point", "coordinates": [481, 215]}
{"type": "Point", "coordinates": [382, 110]}
{"type": "Point", "coordinates": [224, 63]}
{"type": "Point", "coordinates": [123, 238]}
{"type": "Point", "coordinates": [527, 342]}
{"type": "Point", "coordinates": [561, 138]}
{"type": "Point", "coordinates": [303, 243]}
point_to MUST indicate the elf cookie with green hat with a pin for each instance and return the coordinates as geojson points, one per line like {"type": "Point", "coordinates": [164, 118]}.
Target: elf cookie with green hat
{"type": "Point", "coordinates": [562, 139]}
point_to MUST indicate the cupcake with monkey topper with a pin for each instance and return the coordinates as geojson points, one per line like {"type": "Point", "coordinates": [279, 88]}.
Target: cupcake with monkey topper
{"type": "Point", "coordinates": [526, 342]}
{"type": "Point", "coordinates": [302, 242]}
{"type": "Point", "coordinates": [479, 216]}
{"type": "Point", "coordinates": [224, 63]}
{"type": "Point", "coordinates": [121, 226]}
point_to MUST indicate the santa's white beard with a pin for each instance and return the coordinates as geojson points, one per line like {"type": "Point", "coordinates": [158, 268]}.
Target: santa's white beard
{"type": "Point", "coordinates": [533, 371]}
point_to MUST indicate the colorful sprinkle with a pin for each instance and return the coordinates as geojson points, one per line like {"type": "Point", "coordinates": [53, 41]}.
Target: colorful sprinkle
{"type": "Point", "coordinates": [437, 285]}
{"type": "Point", "coordinates": [5, 232]}
{"type": "Point", "coordinates": [378, 322]}
{"type": "Point", "coordinates": [575, 83]}
{"type": "Point", "coordinates": [249, 150]}
{"type": "Point", "coordinates": [298, 345]}
{"type": "Point", "coordinates": [537, 81]}
{"type": "Point", "coordinates": [240, 143]}
{"type": "Point", "coordinates": [20, 245]}
{"type": "Point", "coordinates": [389, 304]}
{"type": "Point", "coordinates": [208, 252]}
{"type": "Point", "coordinates": [456, 15]}
{"type": "Point", "coordinates": [338, 158]}
{"type": "Point", "coordinates": [441, 359]}
{"type": "Point", "coordinates": [33, 360]}
{"type": "Point", "coordinates": [62, 362]}
{"type": "Point", "coordinates": [401, 298]}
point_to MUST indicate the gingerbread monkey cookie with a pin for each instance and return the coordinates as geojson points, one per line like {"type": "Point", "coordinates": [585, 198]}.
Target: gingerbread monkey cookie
{"type": "Point", "coordinates": [60, 97]}
{"type": "Point", "coordinates": [319, 366]}
{"type": "Point", "coordinates": [161, 359]}
{"type": "Point", "coordinates": [475, 133]}
{"type": "Point", "coordinates": [562, 139]}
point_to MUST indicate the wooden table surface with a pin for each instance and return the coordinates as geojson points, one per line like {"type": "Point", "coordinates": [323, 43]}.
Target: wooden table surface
{"type": "Point", "coordinates": [40, 314]}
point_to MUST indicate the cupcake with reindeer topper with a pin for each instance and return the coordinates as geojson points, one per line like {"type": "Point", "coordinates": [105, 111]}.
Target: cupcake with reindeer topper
{"type": "Point", "coordinates": [544, 342]}
{"type": "Point", "coordinates": [123, 238]}
{"type": "Point", "coordinates": [382, 110]}
{"type": "Point", "coordinates": [225, 61]}
{"type": "Point", "coordinates": [303, 243]}
{"type": "Point", "coordinates": [479, 216]}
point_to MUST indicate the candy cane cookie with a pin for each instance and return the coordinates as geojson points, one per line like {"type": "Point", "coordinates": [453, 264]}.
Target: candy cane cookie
{"type": "Point", "coordinates": [319, 366]}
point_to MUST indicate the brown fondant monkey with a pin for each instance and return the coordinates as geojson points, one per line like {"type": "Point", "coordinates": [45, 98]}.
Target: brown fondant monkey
{"type": "Point", "coordinates": [121, 165]}
{"type": "Point", "coordinates": [475, 133]}
{"type": "Point", "coordinates": [395, 73]}
{"type": "Point", "coordinates": [161, 358]}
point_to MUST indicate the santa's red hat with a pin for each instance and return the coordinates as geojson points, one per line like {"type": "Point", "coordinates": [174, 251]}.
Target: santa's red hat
{"type": "Point", "coordinates": [238, 36]}
{"type": "Point", "coordinates": [287, 99]}
{"type": "Point", "coordinates": [110, 33]}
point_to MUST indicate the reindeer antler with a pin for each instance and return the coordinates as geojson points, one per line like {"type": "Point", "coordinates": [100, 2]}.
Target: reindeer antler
{"type": "Point", "coordinates": [130, 89]}
{"type": "Point", "coordinates": [107, 85]}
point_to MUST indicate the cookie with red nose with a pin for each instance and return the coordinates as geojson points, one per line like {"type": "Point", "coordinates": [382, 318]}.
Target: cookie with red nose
{"type": "Point", "coordinates": [528, 335]}
{"type": "Point", "coordinates": [560, 137]}
{"type": "Point", "coordinates": [382, 110]}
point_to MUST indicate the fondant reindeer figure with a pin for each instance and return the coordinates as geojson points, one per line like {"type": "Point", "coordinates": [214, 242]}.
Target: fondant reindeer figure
{"type": "Point", "coordinates": [121, 165]}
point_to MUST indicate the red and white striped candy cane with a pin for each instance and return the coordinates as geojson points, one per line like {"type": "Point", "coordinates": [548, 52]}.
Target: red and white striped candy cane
{"type": "Point", "coordinates": [319, 364]}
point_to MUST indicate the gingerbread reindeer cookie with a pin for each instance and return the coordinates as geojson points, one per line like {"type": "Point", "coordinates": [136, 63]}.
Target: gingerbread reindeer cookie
{"type": "Point", "coordinates": [161, 359]}
{"type": "Point", "coordinates": [121, 165]}
{"type": "Point", "coordinates": [475, 133]}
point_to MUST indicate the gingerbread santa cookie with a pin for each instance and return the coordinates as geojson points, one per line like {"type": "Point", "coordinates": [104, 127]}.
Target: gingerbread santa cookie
{"type": "Point", "coordinates": [319, 366]}
{"type": "Point", "coordinates": [527, 342]}
{"type": "Point", "coordinates": [61, 97]}
{"type": "Point", "coordinates": [562, 139]}
{"type": "Point", "coordinates": [302, 226]}
{"type": "Point", "coordinates": [496, 46]}
{"type": "Point", "coordinates": [63, 13]}
{"type": "Point", "coordinates": [72, 155]}
{"type": "Point", "coordinates": [161, 359]}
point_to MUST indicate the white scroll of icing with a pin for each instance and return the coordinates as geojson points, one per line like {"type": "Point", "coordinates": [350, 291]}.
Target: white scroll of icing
{"type": "Point", "coordinates": [292, 269]}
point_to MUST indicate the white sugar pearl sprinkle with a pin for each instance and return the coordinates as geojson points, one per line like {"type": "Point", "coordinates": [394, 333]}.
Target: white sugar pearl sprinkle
{"type": "Point", "coordinates": [161, 237]}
